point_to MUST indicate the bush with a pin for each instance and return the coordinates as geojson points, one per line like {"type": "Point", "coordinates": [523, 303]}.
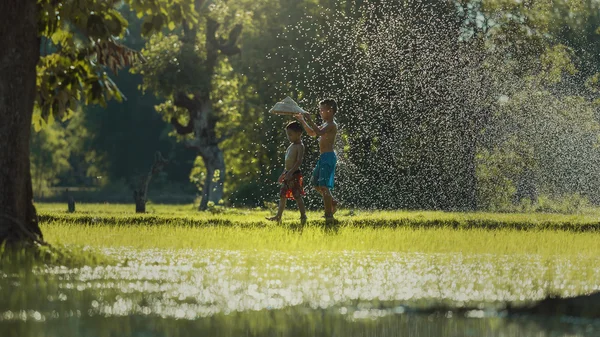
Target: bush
{"type": "Point", "coordinates": [567, 204]}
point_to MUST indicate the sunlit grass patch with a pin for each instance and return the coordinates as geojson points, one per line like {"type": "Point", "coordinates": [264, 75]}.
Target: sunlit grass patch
{"type": "Point", "coordinates": [182, 227]}
{"type": "Point", "coordinates": [311, 238]}
{"type": "Point", "coordinates": [187, 215]}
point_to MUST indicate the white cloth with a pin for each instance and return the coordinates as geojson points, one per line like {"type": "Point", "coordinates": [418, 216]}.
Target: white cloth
{"type": "Point", "coordinates": [286, 107]}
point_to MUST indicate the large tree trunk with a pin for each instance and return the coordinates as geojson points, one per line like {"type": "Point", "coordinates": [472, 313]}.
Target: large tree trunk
{"type": "Point", "coordinates": [203, 121]}
{"type": "Point", "coordinates": [19, 55]}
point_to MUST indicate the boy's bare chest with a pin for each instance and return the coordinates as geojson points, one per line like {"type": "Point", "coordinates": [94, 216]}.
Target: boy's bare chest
{"type": "Point", "coordinates": [291, 150]}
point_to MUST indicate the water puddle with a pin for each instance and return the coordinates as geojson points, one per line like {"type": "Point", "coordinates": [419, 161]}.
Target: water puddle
{"type": "Point", "coordinates": [273, 293]}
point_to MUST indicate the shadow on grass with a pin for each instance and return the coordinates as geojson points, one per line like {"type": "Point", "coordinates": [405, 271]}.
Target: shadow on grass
{"type": "Point", "coordinates": [327, 226]}
{"type": "Point", "coordinates": [350, 221]}
{"type": "Point", "coordinates": [23, 258]}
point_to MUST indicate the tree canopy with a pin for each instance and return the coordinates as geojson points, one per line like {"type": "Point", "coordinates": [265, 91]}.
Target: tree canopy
{"type": "Point", "coordinates": [467, 103]}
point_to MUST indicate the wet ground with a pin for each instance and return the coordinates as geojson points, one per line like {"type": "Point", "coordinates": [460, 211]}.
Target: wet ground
{"type": "Point", "coordinates": [246, 293]}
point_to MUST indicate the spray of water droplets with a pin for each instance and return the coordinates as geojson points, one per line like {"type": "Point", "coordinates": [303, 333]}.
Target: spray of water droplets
{"type": "Point", "coordinates": [428, 113]}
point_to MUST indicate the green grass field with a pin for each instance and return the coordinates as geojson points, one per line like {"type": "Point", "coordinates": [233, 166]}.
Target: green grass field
{"type": "Point", "coordinates": [178, 227]}
{"type": "Point", "coordinates": [233, 271]}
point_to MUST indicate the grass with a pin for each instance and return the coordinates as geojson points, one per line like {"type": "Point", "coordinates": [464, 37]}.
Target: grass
{"type": "Point", "coordinates": [181, 227]}
{"type": "Point", "coordinates": [187, 215]}
{"type": "Point", "coordinates": [315, 238]}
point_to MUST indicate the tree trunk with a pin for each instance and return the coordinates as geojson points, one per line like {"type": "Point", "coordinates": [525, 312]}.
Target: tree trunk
{"type": "Point", "coordinates": [214, 161]}
{"type": "Point", "coordinates": [70, 202]}
{"type": "Point", "coordinates": [140, 192]}
{"type": "Point", "coordinates": [140, 203]}
{"type": "Point", "coordinates": [19, 56]}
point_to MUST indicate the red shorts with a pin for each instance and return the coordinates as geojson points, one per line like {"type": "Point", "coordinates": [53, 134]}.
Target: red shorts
{"type": "Point", "coordinates": [292, 186]}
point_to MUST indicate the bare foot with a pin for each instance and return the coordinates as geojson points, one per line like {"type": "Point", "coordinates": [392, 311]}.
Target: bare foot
{"type": "Point", "coordinates": [303, 220]}
{"type": "Point", "coordinates": [274, 218]}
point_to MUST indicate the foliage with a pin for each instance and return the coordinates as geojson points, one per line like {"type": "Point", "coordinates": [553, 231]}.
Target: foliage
{"type": "Point", "coordinates": [80, 38]}
{"type": "Point", "coordinates": [59, 155]}
{"type": "Point", "coordinates": [49, 157]}
{"type": "Point", "coordinates": [539, 143]}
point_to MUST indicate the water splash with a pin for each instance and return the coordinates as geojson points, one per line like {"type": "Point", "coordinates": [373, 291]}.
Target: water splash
{"type": "Point", "coordinates": [426, 108]}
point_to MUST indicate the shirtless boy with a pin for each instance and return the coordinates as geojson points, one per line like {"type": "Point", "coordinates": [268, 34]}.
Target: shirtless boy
{"type": "Point", "coordinates": [291, 178]}
{"type": "Point", "coordinates": [323, 174]}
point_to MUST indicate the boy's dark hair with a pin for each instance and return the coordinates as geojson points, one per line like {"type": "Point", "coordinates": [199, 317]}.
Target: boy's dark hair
{"type": "Point", "coordinates": [294, 126]}
{"type": "Point", "coordinates": [331, 103]}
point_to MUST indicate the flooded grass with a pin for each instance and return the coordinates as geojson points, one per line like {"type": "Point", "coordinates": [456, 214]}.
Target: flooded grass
{"type": "Point", "coordinates": [176, 279]}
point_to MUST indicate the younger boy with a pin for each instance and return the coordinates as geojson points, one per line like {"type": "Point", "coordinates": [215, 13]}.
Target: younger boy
{"type": "Point", "coordinates": [323, 174]}
{"type": "Point", "coordinates": [291, 178]}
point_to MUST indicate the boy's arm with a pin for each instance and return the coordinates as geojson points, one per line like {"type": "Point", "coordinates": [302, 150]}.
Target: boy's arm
{"type": "Point", "coordinates": [281, 176]}
{"type": "Point", "coordinates": [318, 130]}
{"type": "Point", "coordinates": [310, 131]}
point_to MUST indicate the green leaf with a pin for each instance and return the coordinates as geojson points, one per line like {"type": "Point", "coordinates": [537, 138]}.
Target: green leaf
{"type": "Point", "coordinates": [60, 36]}
{"type": "Point", "coordinates": [37, 121]}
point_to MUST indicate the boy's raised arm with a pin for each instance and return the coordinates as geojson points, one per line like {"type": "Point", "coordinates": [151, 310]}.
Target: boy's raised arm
{"type": "Point", "coordinates": [319, 131]}
{"type": "Point", "coordinates": [309, 130]}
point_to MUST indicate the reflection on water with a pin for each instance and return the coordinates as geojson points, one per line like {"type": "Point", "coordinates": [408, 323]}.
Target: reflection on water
{"type": "Point", "coordinates": [233, 293]}
{"type": "Point", "coordinates": [300, 322]}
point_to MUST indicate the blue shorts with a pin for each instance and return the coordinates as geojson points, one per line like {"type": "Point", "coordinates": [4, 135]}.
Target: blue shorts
{"type": "Point", "coordinates": [324, 170]}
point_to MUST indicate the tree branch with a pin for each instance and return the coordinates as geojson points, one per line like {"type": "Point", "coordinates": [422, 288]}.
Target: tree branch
{"type": "Point", "coordinates": [159, 163]}
{"type": "Point", "coordinates": [211, 31]}
{"type": "Point", "coordinates": [229, 48]}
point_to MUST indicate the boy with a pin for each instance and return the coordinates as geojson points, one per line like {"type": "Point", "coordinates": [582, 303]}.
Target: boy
{"type": "Point", "coordinates": [323, 174]}
{"type": "Point", "coordinates": [291, 178]}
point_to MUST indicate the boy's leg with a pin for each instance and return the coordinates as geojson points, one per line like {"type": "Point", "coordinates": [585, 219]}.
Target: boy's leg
{"type": "Point", "coordinates": [319, 189]}
{"type": "Point", "coordinates": [323, 191]}
{"type": "Point", "coordinates": [282, 202]}
{"type": "Point", "coordinates": [328, 201]}
{"type": "Point", "coordinates": [334, 204]}
{"type": "Point", "coordinates": [301, 208]}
